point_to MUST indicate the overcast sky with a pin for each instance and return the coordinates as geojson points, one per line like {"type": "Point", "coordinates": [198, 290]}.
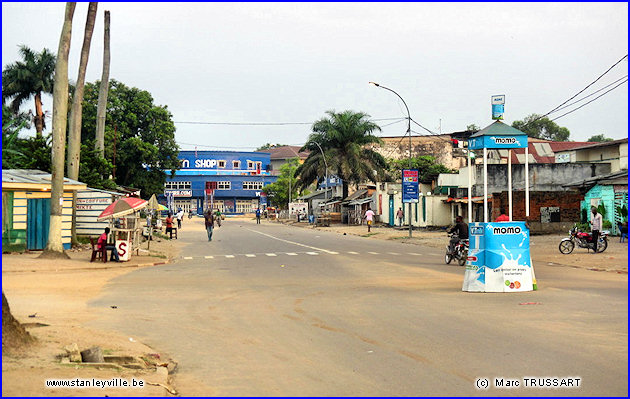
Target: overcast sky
{"type": "Point", "coordinates": [291, 62]}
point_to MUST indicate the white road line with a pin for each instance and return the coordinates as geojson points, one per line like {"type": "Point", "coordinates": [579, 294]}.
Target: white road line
{"type": "Point", "coordinates": [209, 257]}
{"type": "Point", "coordinates": [291, 254]}
{"type": "Point", "coordinates": [229, 256]}
{"type": "Point", "coordinates": [373, 253]}
{"type": "Point", "coordinates": [432, 254]}
{"type": "Point", "coordinates": [353, 253]}
{"type": "Point", "coordinates": [312, 253]}
{"type": "Point", "coordinates": [271, 254]}
{"type": "Point", "coordinates": [414, 254]}
{"type": "Point", "coordinates": [333, 253]}
{"type": "Point", "coordinates": [290, 242]}
{"type": "Point", "coordinates": [250, 255]}
{"type": "Point", "coordinates": [188, 257]}
{"type": "Point", "coordinates": [393, 253]}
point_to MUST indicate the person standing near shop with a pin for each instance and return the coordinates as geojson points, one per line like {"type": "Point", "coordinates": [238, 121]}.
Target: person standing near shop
{"type": "Point", "coordinates": [169, 224]}
{"type": "Point", "coordinates": [257, 215]}
{"type": "Point", "coordinates": [217, 216]}
{"type": "Point", "coordinates": [369, 216]}
{"type": "Point", "coordinates": [209, 223]}
{"type": "Point", "coordinates": [596, 227]}
{"type": "Point", "coordinates": [399, 216]}
{"type": "Point", "coordinates": [180, 217]}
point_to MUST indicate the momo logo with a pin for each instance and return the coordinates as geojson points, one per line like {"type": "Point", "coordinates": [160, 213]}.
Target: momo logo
{"type": "Point", "coordinates": [504, 140]}
{"type": "Point", "coordinates": [476, 230]}
{"type": "Point", "coordinates": [506, 230]}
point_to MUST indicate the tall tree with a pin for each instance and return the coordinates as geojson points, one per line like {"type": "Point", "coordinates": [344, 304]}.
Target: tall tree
{"type": "Point", "coordinates": [345, 137]}
{"type": "Point", "coordinates": [29, 78]}
{"type": "Point", "coordinates": [74, 133]}
{"type": "Point", "coordinates": [599, 138]}
{"type": "Point", "coordinates": [542, 128]}
{"type": "Point", "coordinates": [144, 135]}
{"type": "Point", "coordinates": [278, 192]}
{"type": "Point", "coordinates": [428, 168]}
{"type": "Point", "coordinates": [54, 248]}
{"type": "Point", "coordinates": [102, 94]}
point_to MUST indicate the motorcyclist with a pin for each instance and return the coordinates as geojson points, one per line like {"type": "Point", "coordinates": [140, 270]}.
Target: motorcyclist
{"type": "Point", "coordinates": [461, 229]}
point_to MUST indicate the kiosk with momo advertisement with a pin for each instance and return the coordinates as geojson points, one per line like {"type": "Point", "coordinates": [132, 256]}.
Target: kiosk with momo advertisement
{"type": "Point", "coordinates": [499, 259]}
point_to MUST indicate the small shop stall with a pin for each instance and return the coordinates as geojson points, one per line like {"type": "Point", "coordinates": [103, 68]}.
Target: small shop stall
{"type": "Point", "coordinates": [125, 224]}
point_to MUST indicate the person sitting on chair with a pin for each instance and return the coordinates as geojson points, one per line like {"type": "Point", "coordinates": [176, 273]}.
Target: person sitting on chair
{"type": "Point", "coordinates": [102, 240]}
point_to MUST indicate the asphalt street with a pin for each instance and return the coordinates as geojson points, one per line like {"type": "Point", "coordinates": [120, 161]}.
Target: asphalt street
{"type": "Point", "coordinates": [271, 309]}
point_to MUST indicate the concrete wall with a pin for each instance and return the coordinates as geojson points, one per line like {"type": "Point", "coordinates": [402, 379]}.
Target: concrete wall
{"type": "Point", "coordinates": [542, 177]}
{"type": "Point", "coordinates": [429, 211]}
{"type": "Point", "coordinates": [439, 147]}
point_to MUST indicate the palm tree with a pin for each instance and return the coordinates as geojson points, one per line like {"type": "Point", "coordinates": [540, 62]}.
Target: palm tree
{"type": "Point", "coordinates": [345, 138]}
{"type": "Point", "coordinates": [32, 76]}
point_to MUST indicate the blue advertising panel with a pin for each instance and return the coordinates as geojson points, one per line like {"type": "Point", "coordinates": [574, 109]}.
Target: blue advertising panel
{"type": "Point", "coordinates": [497, 111]}
{"type": "Point", "coordinates": [499, 258]}
{"type": "Point", "coordinates": [410, 185]}
{"type": "Point", "coordinates": [497, 141]}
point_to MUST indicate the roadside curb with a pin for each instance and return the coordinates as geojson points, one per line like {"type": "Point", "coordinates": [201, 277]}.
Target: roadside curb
{"type": "Point", "coordinates": [92, 268]}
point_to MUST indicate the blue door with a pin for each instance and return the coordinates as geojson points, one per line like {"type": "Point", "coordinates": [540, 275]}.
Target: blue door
{"type": "Point", "coordinates": [37, 223]}
{"type": "Point", "coordinates": [391, 210]}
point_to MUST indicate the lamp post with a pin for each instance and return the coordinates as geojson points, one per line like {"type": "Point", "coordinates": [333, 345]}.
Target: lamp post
{"type": "Point", "coordinates": [408, 132]}
{"type": "Point", "coordinates": [326, 165]}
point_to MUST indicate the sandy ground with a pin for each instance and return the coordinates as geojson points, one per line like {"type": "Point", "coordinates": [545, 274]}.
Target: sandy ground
{"type": "Point", "coordinates": [55, 293]}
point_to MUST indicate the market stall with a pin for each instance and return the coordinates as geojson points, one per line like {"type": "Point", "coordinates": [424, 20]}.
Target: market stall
{"type": "Point", "coordinates": [125, 224]}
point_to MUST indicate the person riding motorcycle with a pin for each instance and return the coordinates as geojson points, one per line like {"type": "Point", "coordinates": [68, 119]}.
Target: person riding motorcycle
{"type": "Point", "coordinates": [461, 229]}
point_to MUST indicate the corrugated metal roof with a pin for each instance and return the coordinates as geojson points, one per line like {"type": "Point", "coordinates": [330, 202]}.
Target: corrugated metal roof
{"type": "Point", "coordinates": [31, 176]}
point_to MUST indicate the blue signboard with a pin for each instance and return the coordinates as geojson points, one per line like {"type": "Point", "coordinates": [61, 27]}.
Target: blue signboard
{"type": "Point", "coordinates": [497, 111]}
{"type": "Point", "coordinates": [497, 141]}
{"type": "Point", "coordinates": [410, 185]}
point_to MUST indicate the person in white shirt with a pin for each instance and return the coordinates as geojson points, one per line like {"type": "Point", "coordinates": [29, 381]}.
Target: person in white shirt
{"type": "Point", "coordinates": [596, 227]}
{"type": "Point", "coordinates": [369, 216]}
{"type": "Point", "coordinates": [179, 216]}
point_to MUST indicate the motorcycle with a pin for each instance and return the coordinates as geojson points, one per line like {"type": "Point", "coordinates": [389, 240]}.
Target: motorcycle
{"type": "Point", "coordinates": [582, 240]}
{"type": "Point", "coordinates": [460, 252]}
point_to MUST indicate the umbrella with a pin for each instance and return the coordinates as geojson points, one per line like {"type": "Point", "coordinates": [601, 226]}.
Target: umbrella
{"type": "Point", "coordinates": [122, 207]}
{"type": "Point", "coordinates": [161, 207]}
{"type": "Point", "coordinates": [153, 204]}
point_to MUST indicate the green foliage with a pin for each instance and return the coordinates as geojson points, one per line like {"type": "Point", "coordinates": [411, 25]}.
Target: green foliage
{"type": "Point", "coordinates": [602, 210]}
{"type": "Point", "coordinates": [26, 78]}
{"type": "Point", "coordinates": [473, 128]}
{"type": "Point", "coordinates": [269, 146]}
{"type": "Point", "coordinates": [345, 138]}
{"type": "Point", "coordinates": [428, 169]}
{"type": "Point", "coordinates": [92, 168]}
{"type": "Point", "coordinates": [543, 128]}
{"type": "Point", "coordinates": [584, 227]}
{"type": "Point", "coordinates": [144, 134]}
{"type": "Point", "coordinates": [623, 212]}
{"type": "Point", "coordinates": [584, 218]}
{"type": "Point", "coordinates": [599, 138]}
{"type": "Point", "coordinates": [278, 192]}
{"type": "Point", "coordinates": [23, 153]}
{"type": "Point", "coordinates": [606, 224]}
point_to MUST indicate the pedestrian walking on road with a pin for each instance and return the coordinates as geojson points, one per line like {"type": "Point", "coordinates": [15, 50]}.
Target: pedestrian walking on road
{"type": "Point", "coordinates": [169, 224]}
{"type": "Point", "coordinates": [400, 216]}
{"type": "Point", "coordinates": [596, 227]}
{"type": "Point", "coordinates": [217, 216]}
{"type": "Point", "coordinates": [209, 223]}
{"type": "Point", "coordinates": [180, 216]}
{"type": "Point", "coordinates": [369, 216]}
{"type": "Point", "coordinates": [257, 215]}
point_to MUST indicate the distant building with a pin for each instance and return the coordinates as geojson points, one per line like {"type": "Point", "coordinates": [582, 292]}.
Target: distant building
{"type": "Point", "coordinates": [227, 180]}
{"type": "Point", "coordinates": [281, 155]}
{"type": "Point", "coordinates": [613, 152]}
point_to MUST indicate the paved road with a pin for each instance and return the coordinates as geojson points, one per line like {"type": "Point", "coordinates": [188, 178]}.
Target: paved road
{"type": "Point", "coordinates": [276, 310]}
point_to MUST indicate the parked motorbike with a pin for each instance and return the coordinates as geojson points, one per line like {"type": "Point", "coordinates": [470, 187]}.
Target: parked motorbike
{"type": "Point", "coordinates": [460, 252]}
{"type": "Point", "coordinates": [582, 240]}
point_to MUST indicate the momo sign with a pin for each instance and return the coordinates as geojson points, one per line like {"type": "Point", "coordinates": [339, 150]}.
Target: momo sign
{"type": "Point", "coordinates": [505, 140]}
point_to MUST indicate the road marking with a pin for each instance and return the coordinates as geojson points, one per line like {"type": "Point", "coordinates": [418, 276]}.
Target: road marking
{"type": "Point", "coordinates": [432, 254]}
{"type": "Point", "coordinates": [333, 253]}
{"type": "Point", "coordinates": [290, 242]}
{"type": "Point", "coordinates": [250, 255]}
{"type": "Point", "coordinates": [229, 256]}
{"type": "Point", "coordinates": [291, 254]}
{"type": "Point", "coordinates": [312, 253]}
{"type": "Point", "coordinates": [353, 253]}
{"type": "Point", "coordinates": [209, 257]}
{"type": "Point", "coordinates": [187, 257]}
{"type": "Point", "coordinates": [373, 253]}
{"type": "Point", "coordinates": [393, 253]}
{"type": "Point", "coordinates": [271, 254]}
{"type": "Point", "coordinates": [414, 254]}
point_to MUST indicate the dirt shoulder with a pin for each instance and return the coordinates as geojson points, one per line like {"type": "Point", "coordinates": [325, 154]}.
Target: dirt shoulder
{"type": "Point", "coordinates": [50, 298]}
{"type": "Point", "coordinates": [544, 248]}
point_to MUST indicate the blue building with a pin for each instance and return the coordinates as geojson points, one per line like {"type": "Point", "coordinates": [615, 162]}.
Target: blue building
{"type": "Point", "coordinates": [231, 181]}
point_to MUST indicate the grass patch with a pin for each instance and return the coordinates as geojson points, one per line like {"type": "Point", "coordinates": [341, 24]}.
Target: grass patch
{"type": "Point", "coordinates": [108, 352]}
{"type": "Point", "coordinates": [13, 248]}
{"type": "Point", "coordinates": [83, 239]}
{"type": "Point", "coordinates": [161, 256]}
{"type": "Point", "coordinates": [399, 238]}
{"type": "Point", "coordinates": [369, 234]}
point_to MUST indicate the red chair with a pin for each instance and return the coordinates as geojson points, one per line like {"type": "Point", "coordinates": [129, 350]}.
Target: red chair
{"type": "Point", "coordinates": [98, 253]}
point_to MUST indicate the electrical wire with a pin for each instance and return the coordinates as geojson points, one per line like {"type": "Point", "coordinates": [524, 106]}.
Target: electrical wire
{"type": "Point", "coordinates": [264, 123]}
{"type": "Point", "coordinates": [592, 94]}
{"type": "Point", "coordinates": [604, 93]}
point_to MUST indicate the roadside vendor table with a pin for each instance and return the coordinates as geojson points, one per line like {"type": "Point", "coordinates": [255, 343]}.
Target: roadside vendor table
{"type": "Point", "coordinates": [127, 240]}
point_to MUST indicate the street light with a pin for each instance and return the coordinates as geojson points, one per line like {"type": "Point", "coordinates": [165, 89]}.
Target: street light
{"type": "Point", "coordinates": [325, 164]}
{"type": "Point", "coordinates": [408, 132]}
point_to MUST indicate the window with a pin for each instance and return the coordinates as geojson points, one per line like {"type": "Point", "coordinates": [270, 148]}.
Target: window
{"type": "Point", "coordinates": [236, 164]}
{"type": "Point", "coordinates": [221, 164]}
{"type": "Point", "coordinates": [177, 185]}
{"type": "Point", "coordinates": [250, 165]}
{"type": "Point", "coordinates": [224, 185]}
{"type": "Point", "coordinates": [243, 206]}
{"type": "Point", "coordinates": [258, 165]}
{"type": "Point", "coordinates": [252, 185]}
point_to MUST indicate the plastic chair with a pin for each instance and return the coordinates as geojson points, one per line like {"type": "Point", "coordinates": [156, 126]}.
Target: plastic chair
{"type": "Point", "coordinates": [98, 253]}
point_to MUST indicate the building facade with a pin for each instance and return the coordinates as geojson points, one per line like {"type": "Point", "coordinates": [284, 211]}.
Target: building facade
{"type": "Point", "coordinates": [230, 181]}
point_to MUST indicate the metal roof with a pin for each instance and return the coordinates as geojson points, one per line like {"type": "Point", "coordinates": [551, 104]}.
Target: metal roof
{"type": "Point", "coordinates": [498, 128]}
{"type": "Point", "coordinates": [32, 176]}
